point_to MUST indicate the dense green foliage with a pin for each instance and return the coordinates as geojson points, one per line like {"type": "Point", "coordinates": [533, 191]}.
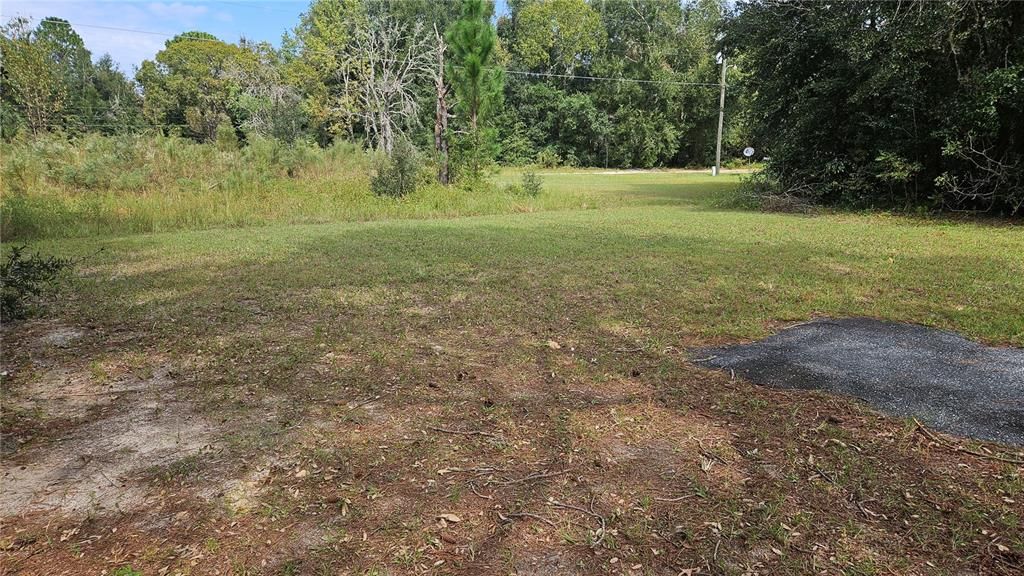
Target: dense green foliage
{"type": "Point", "coordinates": [192, 83]}
{"type": "Point", "coordinates": [51, 83]}
{"type": "Point", "coordinates": [663, 116]}
{"type": "Point", "coordinates": [24, 278]}
{"type": "Point", "coordinates": [870, 103]}
{"type": "Point", "coordinates": [897, 104]}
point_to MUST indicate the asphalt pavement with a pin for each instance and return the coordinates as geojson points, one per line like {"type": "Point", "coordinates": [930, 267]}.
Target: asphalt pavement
{"type": "Point", "coordinates": [944, 380]}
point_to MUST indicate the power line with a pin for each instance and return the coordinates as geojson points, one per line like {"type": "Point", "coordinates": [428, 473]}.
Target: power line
{"type": "Point", "coordinates": [525, 73]}
{"type": "Point", "coordinates": [617, 79]}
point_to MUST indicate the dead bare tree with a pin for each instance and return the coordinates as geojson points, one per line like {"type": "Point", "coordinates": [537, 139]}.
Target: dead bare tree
{"type": "Point", "coordinates": [392, 59]}
{"type": "Point", "coordinates": [442, 110]}
{"type": "Point", "coordinates": [271, 104]}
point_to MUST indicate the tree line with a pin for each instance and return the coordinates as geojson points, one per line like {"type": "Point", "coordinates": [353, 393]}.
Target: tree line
{"type": "Point", "coordinates": [868, 103]}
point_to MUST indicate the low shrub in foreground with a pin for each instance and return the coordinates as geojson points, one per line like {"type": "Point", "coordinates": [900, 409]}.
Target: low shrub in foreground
{"type": "Point", "coordinates": [25, 279]}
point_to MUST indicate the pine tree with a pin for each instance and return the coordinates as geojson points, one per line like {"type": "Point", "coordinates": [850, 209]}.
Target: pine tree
{"type": "Point", "coordinates": [478, 83]}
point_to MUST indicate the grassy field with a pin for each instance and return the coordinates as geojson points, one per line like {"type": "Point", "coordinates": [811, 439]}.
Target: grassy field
{"type": "Point", "coordinates": [500, 394]}
{"type": "Point", "coordinates": [117, 185]}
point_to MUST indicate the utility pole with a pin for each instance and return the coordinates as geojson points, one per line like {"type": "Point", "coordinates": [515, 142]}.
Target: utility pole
{"type": "Point", "coordinates": [721, 121]}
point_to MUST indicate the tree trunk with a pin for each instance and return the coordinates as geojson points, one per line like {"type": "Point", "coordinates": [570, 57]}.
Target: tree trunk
{"type": "Point", "coordinates": [441, 131]}
{"type": "Point", "coordinates": [441, 113]}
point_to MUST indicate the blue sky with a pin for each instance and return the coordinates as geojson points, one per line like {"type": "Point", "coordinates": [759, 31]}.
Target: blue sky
{"type": "Point", "coordinates": [229, 20]}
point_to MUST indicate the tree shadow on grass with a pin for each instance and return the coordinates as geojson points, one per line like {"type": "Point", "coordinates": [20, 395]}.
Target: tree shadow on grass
{"type": "Point", "coordinates": [324, 332]}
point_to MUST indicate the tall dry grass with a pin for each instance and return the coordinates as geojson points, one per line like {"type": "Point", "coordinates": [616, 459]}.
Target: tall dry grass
{"type": "Point", "coordinates": [53, 187]}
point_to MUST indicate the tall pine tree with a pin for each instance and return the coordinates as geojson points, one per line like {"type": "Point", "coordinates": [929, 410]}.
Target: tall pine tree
{"type": "Point", "coordinates": [477, 81]}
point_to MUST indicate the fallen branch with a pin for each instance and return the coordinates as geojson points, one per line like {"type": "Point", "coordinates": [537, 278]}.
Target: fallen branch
{"type": "Point", "coordinates": [957, 448]}
{"type": "Point", "coordinates": [591, 513]}
{"type": "Point", "coordinates": [529, 478]}
{"type": "Point", "coordinates": [478, 494]}
{"type": "Point", "coordinates": [679, 498]}
{"type": "Point", "coordinates": [463, 432]}
{"type": "Point", "coordinates": [707, 453]}
{"type": "Point", "coordinates": [478, 470]}
{"type": "Point", "coordinates": [828, 477]}
{"type": "Point", "coordinates": [512, 515]}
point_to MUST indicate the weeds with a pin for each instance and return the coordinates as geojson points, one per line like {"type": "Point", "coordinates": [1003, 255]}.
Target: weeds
{"type": "Point", "coordinates": [117, 185]}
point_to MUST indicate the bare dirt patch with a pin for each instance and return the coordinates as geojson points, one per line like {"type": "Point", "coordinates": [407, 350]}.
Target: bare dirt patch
{"type": "Point", "coordinates": [92, 428]}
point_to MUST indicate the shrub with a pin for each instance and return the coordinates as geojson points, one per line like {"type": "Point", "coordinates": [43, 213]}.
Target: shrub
{"type": "Point", "coordinates": [398, 173]}
{"type": "Point", "coordinates": [25, 279]}
{"type": "Point", "coordinates": [513, 189]}
{"type": "Point", "coordinates": [227, 139]}
{"type": "Point", "coordinates": [548, 158]}
{"type": "Point", "coordinates": [762, 191]}
{"type": "Point", "coordinates": [22, 169]}
{"type": "Point", "coordinates": [533, 185]}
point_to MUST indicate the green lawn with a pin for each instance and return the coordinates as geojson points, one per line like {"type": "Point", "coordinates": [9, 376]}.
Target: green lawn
{"type": "Point", "coordinates": [555, 341]}
{"type": "Point", "coordinates": [652, 251]}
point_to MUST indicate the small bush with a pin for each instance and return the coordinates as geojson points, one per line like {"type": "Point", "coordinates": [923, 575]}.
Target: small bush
{"type": "Point", "coordinates": [398, 173]}
{"type": "Point", "coordinates": [513, 189]}
{"type": "Point", "coordinates": [763, 192]}
{"type": "Point", "coordinates": [25, 279]}
{"type": "Point", "coordinates": [548, 158]}
{"type": "Point", "coordinates": [760, 191]}
{"type": "Point", "coordinates": [533, 185]}
{"type": "Point", "coordinates": [227, 139]}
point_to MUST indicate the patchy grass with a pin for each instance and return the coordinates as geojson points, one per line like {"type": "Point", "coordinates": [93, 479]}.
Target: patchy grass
{"type": "Point", "coordinates": [505, 394]}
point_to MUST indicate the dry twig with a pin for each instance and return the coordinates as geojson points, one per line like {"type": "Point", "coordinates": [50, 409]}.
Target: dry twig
{"type": "Point", "coordinates": [957, 448]}
{"type": "Point", "coordinates": [512, 515]}
{"type": "Point", "coordinates": [463, 432]}
{"type": "Point", "coordinates": [589, 512]}
{"type": "Point", "coordinates": [679, 498]}
{"type": "Point", "coordinates": [529, 478]}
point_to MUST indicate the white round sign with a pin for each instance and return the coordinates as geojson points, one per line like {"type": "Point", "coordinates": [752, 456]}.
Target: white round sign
{"type": "Point", "coordinates": [748, 151]}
